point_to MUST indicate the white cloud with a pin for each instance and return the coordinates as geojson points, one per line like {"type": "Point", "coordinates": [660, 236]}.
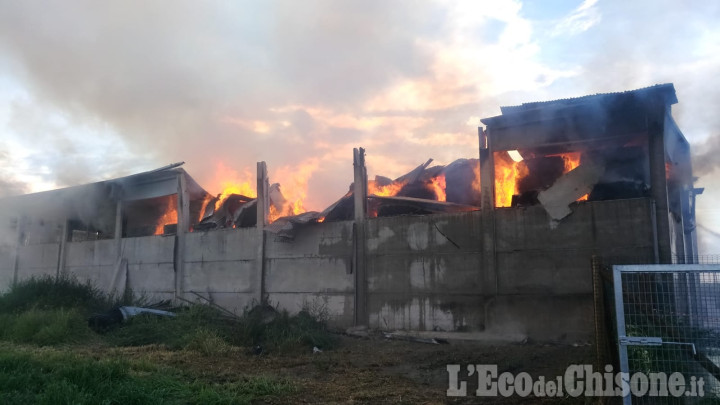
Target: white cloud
{"type": "Point", "coordinates": [584, 17]}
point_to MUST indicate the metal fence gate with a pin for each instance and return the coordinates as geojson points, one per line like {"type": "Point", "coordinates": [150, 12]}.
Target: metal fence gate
{"type": "Point", "coordinates": [668, 321]}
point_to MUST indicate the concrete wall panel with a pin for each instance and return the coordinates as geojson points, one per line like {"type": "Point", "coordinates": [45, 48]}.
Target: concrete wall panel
{"type": "Point", "coordinates": [7, 256]}
{"type": "Point", "coordinates": [149, 249]}
{"type": "Point", "coordinates": [545, 271]}
{"type": "Point", "coordinates": [98, 276]}
{"type": "Point", "coordinates": [419, 273]}
{"type": "Point", "coordinates": [95, 253]}
{"type": "Point", "coordinates": [339, 308]}
{"type": "Point", "coordinates": [324, 239]}
{"type": "Point", "coordinates": [26, 273]}
{"type": "Point", "coordinates": [558, 318]}
{"type": "Point", "coordinates": [235, 302]}
{"type": "Point", "coordinates": [600, 224]}
{"type": "Point", "coordinates": [221, 276]}
{"type": "Point", "coordinates": [7, 262]}
{"type": "Point", "coordinates": [225, 244]}
{"type": "Point", "coordinates": [429, 312]}
{"type": "Point", "coordinates": [38, 256]}
{"type": "Point", "coordinates": [406, 234]}
{"type": "Point", "coordinates": [151, 277]}
{"type": "Point", "coordinates": [323, 274]}
{"type": "Point", "coordinates": [623, 223]}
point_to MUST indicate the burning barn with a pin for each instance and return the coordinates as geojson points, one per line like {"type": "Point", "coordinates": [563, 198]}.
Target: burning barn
{"type": "Point", "coordinates": [493, 246]}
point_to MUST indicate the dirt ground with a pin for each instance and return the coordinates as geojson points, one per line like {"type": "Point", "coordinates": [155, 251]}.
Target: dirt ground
{"type": "Point", "coordinates": [375, 370]}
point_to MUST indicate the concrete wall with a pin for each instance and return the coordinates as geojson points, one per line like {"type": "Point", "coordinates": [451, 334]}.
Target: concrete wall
{"type": "Point", "coordinates": [544, 276]}
{"type": "Point", "coordinates": [37, 260]}
{"type": "Point", "coordinates": [222, 265]}
{"type": "Point", "coordinates": [423, 272]}
{"type": "Point", "coordinates": [92, 261]}
{"type": "Point", "coordinates": [314, 270]}
{"type": "Point", "coordinates": [7, 266]}
{"type": "Point", "coordinates": [150, 265]}
{"type": "Point", "coordinates": [426, 273]}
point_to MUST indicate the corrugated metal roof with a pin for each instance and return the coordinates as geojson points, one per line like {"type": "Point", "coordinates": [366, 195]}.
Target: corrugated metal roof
{"type": "Point", "coordinates": [663, 92]}
{"type": "Point", "coordinates": [666, 89]}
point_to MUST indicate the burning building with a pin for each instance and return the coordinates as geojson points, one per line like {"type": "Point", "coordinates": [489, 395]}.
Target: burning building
{"type": "Point", "coordinates": [495, 246]}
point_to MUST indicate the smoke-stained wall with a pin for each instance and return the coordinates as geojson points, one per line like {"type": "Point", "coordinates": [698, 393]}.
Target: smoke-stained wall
{"type": "Point", "coordinates": [423, 272]}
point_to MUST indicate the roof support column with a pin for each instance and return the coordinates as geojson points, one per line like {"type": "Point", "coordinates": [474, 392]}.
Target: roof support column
{"type": "Point", "coordinates": [262, 206]}
{"type": "Point", "coordinates": [360, 202]}
{"type": "Point", "coordinates": [658, 183]}
{"type": "Point", "coordinates": [183, 225]}
{"type": "Point", "coordinates": [487, 205]}
{"type": "Point", "coordinates": [18, 242]}
{"type": "Point", "coordinates": [63, 249]}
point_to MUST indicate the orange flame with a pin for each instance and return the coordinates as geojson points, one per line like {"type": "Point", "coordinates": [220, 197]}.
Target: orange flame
{"type": "Point", "coordinates": [388, 190]}
{"type": "Point", "coordinates": [169, 214]}
{"type": "Point", "coordinates": [203, 207]}
{"type": "Point", "coordinates": [508, 173]}
{"type": "Point", "coordinates": [572, 160]}
{"type": "Point", "coordinates": [231, 182]}
{"type": "Point", "coordinates": [230, 188]}
{"type": "Point", "coordinates": [438, 186]}
{"type": "Point", "coordinates": [476, 184]}
{"type": "Point", "coordinates": [294, 184]}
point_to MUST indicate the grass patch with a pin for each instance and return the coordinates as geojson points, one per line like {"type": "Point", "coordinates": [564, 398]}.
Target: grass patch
{"type": "Point", "coordinates": [287, 332]}
{"type": "Point", "coordinates": [51, 377]}
{"type": "Point", "coordinates": [64, 292]}
{"type": "Point", "coordinates": [50, 311]}
{"type": "Point", "coordinates": [45, 327]}
{"type": "Point", "coordinates": [209, 331]}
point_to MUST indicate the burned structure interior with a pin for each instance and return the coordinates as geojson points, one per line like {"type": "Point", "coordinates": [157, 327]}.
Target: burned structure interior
{"type": "Point", "coordinates": [596, 148]}
{"type": "Point", "coordinates": [496, 243]}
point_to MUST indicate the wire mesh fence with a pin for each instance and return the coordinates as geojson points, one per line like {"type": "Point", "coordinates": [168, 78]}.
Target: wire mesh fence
{"type": "Point", "coordinates": [668, 321]}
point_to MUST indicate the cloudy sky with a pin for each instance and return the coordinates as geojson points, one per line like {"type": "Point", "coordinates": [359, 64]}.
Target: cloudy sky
{"type": "Point", "coordinates": [93, 90]}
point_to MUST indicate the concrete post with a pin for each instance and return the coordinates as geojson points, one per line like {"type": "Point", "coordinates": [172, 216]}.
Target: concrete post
{"type": "Point", "coordinates": [487, 205]}
{"type": "Point", "coordinates": [658, 184]}
{"type": "Point", "coordinates": [18, 242]}
{"type": "Point", "coordinates": [63, 249]}
{"type": "Point", "coordinates": [118, 228]}
{"type": "Point", "coordinates": [360, 200]}
{"type": "Point", "coordinates": [263, 208]}
{"type": "Point", "coordinates": [487, 172]}
{"type": "Point", "coordinates": [183, 215]}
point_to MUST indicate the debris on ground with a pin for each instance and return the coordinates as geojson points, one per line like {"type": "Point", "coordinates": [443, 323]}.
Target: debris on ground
{"type": "Point", "coordinates": [412, 338]}
{"type": "Point", "coordinates": [119, 315]}
{"type": "Point", "coordinates": [358, 331]}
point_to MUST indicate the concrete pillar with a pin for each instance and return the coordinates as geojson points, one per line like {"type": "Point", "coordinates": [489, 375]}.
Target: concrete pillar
{"type": "Point", "coordinates": [688, 203]}
{"type": "Point", "coordinates": [487, 171]}
{"type": "Point", "coordinates": [658, 183]}
{"type": "Point", "coordinates": [183, 224]}
{"type": "Point", "coordinates": [63, 249]}
{"type": "Point", "coordinates": [360, 200]}
{"type": "Point", "coordinates": [118, 228]}
{"type": "Point", "coordinates": [18, 242]}
{"type": "Point", "coordinates": [263, 209]}
{"type": "Point", "coordinates": [487, 205]}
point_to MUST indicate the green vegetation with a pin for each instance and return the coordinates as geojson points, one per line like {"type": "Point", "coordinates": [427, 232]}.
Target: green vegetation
{"type": "Point", "coordinates": [51, 377]}
{"type": "Point", "coordinates": [58, 367]}
{"type": "Point", "coordinates": [47, 293]}
{"type": "Point", "coordinates": [47, 311]}
{"type": "Point", "coordinates": [45, 327]}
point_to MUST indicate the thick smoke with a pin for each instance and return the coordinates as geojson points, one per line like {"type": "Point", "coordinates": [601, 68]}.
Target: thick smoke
{"type": "Point", "coordinates": [9, 186]}
{"type": "Point", "coordinates": [115, 88]}
{"type": "Point", "coordinates": [706, 156]}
